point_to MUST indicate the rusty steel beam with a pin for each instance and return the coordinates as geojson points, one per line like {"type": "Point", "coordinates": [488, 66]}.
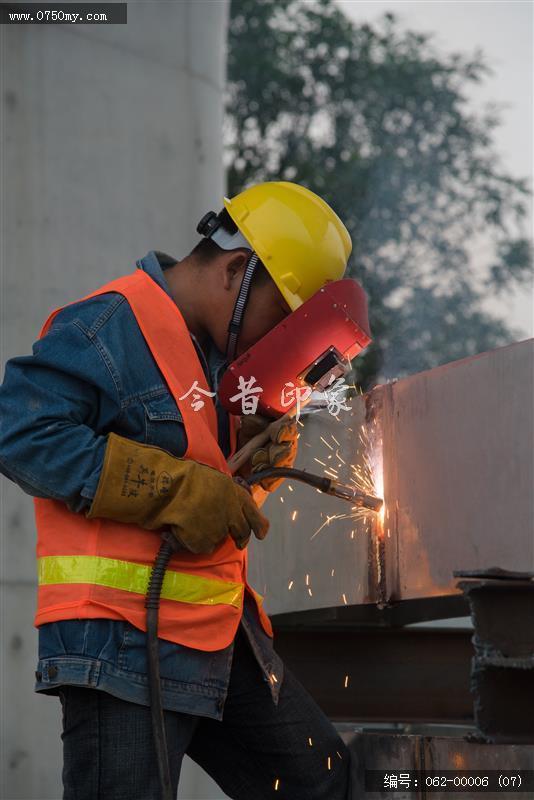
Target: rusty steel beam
{"type": "Point", "coordinates": [406, 675]}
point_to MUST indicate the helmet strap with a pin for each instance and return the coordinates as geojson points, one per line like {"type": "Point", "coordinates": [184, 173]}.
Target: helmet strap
{"type": "Point", "coordinates": [239, 308]}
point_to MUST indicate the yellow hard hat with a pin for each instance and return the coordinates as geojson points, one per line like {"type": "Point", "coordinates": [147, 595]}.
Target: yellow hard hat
{"type": "Point", "coordinates": [298, 237]}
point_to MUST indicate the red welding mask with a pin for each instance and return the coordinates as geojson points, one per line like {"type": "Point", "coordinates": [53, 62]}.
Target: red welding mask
{"type": "Point", "coordinates": [307, 351]}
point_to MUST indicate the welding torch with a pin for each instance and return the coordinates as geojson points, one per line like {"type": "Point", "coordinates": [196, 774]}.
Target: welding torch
{"type": "Point", "coordinates": [326, 485]}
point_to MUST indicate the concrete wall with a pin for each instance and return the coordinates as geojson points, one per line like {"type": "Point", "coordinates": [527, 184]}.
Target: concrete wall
{"type": "Point", "coordinates": [111, 147]}
{"type": "Point", "coordinates": [457, 478]}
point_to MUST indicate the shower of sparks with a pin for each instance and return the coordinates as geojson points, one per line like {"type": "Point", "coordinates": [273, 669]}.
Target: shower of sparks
{"type": "Point", "coordinates": [365, 475]}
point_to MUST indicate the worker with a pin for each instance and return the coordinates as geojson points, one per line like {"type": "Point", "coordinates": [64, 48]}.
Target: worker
{"type": "Point", "coordinates": [113, 425]}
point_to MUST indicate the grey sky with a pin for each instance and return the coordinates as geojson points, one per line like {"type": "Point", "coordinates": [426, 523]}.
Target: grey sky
{"type": "Point", "coordinates": [504, 32]}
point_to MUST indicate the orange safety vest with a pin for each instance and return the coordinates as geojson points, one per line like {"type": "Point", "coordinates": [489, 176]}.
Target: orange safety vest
{"type": "Point", "coordinates": [100, 568]}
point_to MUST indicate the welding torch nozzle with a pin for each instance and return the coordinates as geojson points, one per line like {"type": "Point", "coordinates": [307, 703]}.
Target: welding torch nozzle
{"type": "Point", "coordinates": [356, 497]}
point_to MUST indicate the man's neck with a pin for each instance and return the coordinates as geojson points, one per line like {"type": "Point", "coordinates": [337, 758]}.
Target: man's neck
{"type": "Point", "coordinates": [183, 284]}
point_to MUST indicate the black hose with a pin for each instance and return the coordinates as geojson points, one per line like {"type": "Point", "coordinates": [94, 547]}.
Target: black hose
{"type": "Point", "coordinates": [156, 706]}
{"type": "Point", "coordinates": [168, 546]}
{"type": "Point", "coordinates": [317, 481]}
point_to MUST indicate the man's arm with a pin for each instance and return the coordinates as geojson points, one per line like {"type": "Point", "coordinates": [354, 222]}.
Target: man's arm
{"type": "Point", "coordinates": [49, 402]}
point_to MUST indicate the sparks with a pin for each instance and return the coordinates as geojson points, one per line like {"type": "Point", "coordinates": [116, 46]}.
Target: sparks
{"type": "Point", "coordinates": [294, 515]}
{"type": "Point", "coordinates": [331, 473]}
{"type": "Point", "coordinates": [329, 763]}
{"type": "Point", "coordinates": [319, 461]}
{"type": "Point", "coordinates": [344, 598]}
{"type": "Point", "coordinates": [276, 784]}
{"type": "Point", "coordinates": [327, 521]}
{"type": "Point", "coordinates": [310, 741]}
{"type": "Point", "coordinates": [290, 585]}
{"type": "Point", "coordinates": [346, 681]}
{"type": "Point", "coordinates": [326, 443]}
{"type": "Point", "coordinates": [339, 457]}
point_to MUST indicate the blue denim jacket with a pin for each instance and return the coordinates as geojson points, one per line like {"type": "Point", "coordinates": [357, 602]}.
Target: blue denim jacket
{"type": "Point", "coordinates": [91, 374]}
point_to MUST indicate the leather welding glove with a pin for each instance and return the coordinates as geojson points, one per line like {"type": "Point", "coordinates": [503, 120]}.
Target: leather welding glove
{"type": "Point", "coordinates": [279, 451]}
{"type": "Point", "coordinates": [149, 487]}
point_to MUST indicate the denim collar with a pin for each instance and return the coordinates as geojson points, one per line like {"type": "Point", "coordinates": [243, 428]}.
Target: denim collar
{"type": "Point", "coordinates": [154, 264]}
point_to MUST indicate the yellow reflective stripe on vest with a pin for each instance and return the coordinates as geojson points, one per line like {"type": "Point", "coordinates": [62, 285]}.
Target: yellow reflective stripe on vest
{"type": "Point", "coordinates": [132, 577]}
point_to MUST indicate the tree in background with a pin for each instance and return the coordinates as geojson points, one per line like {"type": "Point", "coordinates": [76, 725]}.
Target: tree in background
{"type": "Point", "coordinates": [376, 122]}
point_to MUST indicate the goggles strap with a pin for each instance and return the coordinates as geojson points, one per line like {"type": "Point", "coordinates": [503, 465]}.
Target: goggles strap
{"type": "Point", "coordinates": [239, 309]}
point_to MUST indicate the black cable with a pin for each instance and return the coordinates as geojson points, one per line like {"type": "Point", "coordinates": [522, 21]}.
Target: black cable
{"type": "Point", "coordinates": [317, 481]}
{"type": "Point", "coordinates": [156, 706]}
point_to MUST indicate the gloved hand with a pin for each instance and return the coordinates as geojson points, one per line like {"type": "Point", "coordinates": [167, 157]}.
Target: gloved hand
{"type": "Point", "coordinates": [149, 487]}
{"type": "Point", "coordinates": [279, 451]}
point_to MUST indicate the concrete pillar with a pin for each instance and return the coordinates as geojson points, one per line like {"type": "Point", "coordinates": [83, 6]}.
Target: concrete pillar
{"type": "Point", "coordinates": [111, 147]}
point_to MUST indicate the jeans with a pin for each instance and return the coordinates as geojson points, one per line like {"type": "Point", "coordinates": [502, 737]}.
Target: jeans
{"type": "Point", "coordinates": [259, 750]}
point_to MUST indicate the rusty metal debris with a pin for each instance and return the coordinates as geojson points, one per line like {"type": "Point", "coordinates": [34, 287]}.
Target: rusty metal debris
{"type": "Point", "coordinates": [502, 669]}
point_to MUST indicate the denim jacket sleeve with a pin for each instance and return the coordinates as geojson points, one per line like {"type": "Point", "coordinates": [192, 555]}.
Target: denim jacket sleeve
{"type": "Point", "coordinates": [49, 404]}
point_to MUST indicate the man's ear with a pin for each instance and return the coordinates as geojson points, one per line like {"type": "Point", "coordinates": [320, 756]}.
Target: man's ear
{"type": "Point", "coordinates": [234, 267]}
